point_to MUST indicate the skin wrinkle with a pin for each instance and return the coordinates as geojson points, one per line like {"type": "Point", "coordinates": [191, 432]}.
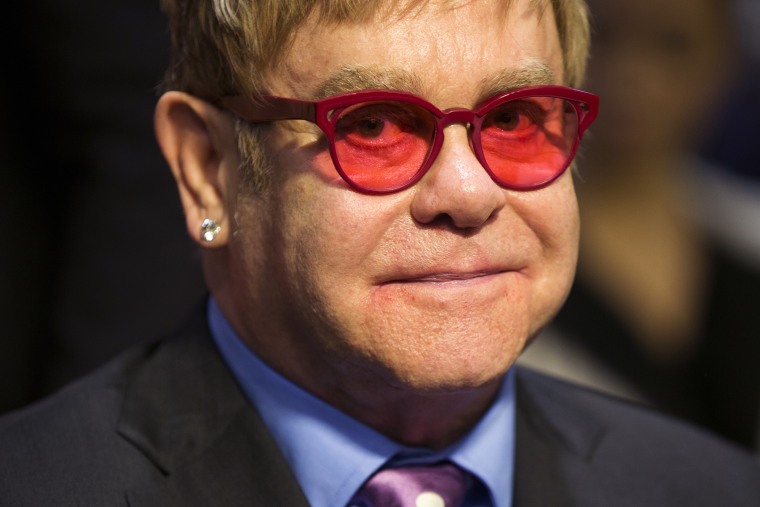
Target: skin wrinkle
{"type": "Point", "coordinates": [356, 78]}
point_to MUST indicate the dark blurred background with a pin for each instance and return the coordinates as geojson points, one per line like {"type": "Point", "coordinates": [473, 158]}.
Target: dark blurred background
{"type": "Point", "coordinates": [94, 255]}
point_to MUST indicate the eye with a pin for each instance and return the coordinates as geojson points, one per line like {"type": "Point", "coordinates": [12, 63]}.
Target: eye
{"type": "Point", "coordinates": [370, 126]}
{"type": "Point", "coordinates": [382, 144]}
{"type": "Point", "coordinates": [381, 123]}
{"type": "Point", "coordinates": [515, 116]}
{"type": "Point", "coordinates": [375, 120]}
{"type": "Point", "coordinates": [506, 120]}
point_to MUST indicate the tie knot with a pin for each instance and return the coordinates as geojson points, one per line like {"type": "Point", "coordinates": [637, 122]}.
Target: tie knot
{"type": "Point", "coordinates": [442, 485]}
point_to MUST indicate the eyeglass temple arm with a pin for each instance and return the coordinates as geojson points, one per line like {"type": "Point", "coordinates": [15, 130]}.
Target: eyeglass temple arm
{"type": "Point", "coordinates": [269, 108]}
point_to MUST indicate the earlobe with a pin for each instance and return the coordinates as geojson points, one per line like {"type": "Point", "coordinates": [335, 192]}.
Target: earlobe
{"type": "Point", "coordinates": [198, 142]}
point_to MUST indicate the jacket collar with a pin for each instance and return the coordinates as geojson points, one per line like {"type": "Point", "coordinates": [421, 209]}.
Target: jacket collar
{"type": "Point", "coordinates": [557, 438]}
{"type": "Point", "coordinates": [184, 411]}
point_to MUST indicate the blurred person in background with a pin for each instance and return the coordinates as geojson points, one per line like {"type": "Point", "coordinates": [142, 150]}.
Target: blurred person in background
{"type": "Point", "coordinates": [663, 311]}
{"type": "Point", "coordinates": [731, 147]}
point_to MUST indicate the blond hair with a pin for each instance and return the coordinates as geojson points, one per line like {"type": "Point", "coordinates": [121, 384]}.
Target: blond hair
{"type": "Point", "coordinates": [223, 47]}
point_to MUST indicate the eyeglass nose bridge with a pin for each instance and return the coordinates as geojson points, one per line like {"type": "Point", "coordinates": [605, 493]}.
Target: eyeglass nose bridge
{"type": "Point", "coordinates": [449, 117]}
{"type": "Point", "coordinates": [456, 115]}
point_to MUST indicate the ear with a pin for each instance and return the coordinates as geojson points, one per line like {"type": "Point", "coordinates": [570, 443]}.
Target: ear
{"type": "Point", "coordinates": [198, 142]}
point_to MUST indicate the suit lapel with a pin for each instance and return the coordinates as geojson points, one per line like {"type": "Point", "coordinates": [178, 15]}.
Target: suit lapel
{"type": "Point", "coordinates": [241, 467]}
{"type": "Point", "coordinates": [186, 414]}
{"type": "Point", "coordinates": [554, 441]}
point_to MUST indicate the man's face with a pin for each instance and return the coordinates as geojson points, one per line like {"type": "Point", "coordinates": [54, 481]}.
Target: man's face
{"type": "Point", "coordinates": [437, 287]}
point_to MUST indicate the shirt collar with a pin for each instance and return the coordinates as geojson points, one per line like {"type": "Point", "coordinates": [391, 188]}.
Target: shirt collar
{"type": "Point", "coordinates": [315, 437]}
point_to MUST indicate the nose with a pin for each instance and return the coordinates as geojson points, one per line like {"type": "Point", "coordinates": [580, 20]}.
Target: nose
{"type": "Point", "coordinates": [457, 189]}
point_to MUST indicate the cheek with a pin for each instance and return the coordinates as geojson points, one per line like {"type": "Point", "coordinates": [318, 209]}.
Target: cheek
{"type": "Point", "coordinates": [329, 237]}
{"type": "Point", "coordinates": [553, 218]}
{"type": "Point", "coordinates": [326, 232]}
{"type": "Point", "coordinates": [551, 214]}
{"type": "Point", "coordinates": [560, 223]}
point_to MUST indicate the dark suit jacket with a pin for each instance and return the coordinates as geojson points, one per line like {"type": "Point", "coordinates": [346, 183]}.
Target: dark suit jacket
{"type": "Point", "coordinates": [167, 425]}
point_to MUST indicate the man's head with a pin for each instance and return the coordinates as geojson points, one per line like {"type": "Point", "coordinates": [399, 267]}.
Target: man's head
{"type": "Point", "coordinates": [427, 293]}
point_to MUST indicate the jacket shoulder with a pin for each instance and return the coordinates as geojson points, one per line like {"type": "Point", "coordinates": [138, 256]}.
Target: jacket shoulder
{"type": "Point", "coordinates": [68, 442]}
{"type": "Point", "coordinates": [160, 425]}
{"type": "Point", "coordinates": [600, 448]}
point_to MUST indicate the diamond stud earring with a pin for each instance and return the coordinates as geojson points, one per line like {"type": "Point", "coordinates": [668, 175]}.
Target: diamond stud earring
{"type": "Point", "coordinates": [210, 230]}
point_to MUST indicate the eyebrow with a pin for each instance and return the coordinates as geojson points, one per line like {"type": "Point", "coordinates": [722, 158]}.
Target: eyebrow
{"type": "Point", "coordinates": [355, 78]}
{"type": "Point", "coordinates": [533, 73]}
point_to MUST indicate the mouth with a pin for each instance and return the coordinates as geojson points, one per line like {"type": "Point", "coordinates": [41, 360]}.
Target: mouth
{"type": "Point", "coordinates": [447, 277]}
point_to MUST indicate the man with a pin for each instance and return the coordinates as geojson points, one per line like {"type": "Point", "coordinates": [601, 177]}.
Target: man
{"type": "Point", "coordinates": [378, 255]}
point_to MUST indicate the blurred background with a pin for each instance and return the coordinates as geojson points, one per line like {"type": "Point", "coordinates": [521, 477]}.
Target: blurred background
{"type": "Point", "coordinates": [95, 258]}
{"type": "Point", "coordinates": [664, 310]}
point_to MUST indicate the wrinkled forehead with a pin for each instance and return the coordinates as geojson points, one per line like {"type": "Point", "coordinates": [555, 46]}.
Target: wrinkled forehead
{"type": "Point", "coordinates": [269, 30]}
{"type": "Point", "coordinates": [491, 45]}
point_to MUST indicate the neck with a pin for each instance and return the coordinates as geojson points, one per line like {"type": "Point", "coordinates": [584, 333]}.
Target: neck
{"type": "Point", "coordinates": [432, 420]}
{"type": "Point", "coordinates": [412, 415]}
{"type": "Point", "coordinates": [429, 417]}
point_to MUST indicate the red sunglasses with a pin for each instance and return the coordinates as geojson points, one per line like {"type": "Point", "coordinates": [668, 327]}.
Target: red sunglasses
{"type": "Point", "coordinates": [384, 141]}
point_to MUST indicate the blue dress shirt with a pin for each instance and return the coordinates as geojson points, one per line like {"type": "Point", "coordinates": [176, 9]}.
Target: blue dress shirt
{"type": "Point", "coordinates": [332, 454]}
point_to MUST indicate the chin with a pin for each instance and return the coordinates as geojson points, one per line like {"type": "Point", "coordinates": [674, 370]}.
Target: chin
{"type": "Point", "coordinates": [451, 373]}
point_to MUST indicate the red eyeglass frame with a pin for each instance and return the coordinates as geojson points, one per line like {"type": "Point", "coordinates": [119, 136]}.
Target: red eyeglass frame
{"type": "Point", "coordinates": [272, 108]}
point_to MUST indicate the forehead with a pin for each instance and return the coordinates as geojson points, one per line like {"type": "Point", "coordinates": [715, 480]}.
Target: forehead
{"type": "Point", "coordinates": [451, 53]}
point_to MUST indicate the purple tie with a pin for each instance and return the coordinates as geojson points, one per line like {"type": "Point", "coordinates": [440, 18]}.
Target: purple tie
{"type": "Point", "coordinates": [441, 485]}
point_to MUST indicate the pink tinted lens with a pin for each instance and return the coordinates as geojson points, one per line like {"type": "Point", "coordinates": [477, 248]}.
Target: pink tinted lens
{"type": "Point", "coordinates": [382, 145]}
{"type": "Point", "coordinates": [528, 142]}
